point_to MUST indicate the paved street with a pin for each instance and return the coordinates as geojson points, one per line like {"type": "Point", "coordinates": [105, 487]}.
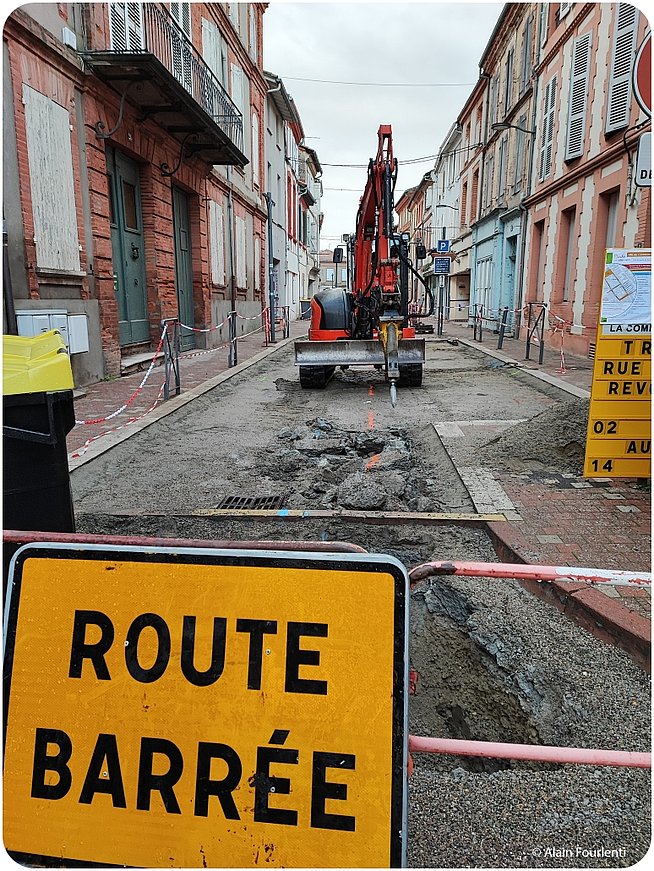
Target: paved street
{"type": "Point", "coordinates": [614, 530]}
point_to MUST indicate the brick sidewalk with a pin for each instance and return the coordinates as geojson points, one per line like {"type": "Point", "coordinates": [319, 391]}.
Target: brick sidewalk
{"type": "Point", "coordinates": [602, 523]}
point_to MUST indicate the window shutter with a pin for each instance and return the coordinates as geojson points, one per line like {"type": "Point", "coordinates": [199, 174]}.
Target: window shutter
{"type": "Point", "coordinates": [135, 26]}
{"type": "Point", "coordinates": [255, 148]}
{"type": "Point", "coordinates": [525, 65]}
{"type": "Point", "coordinates": [181, 12]}
{"type": "Point", "coordinates": [118, 26]}
{"type": "Point", "coordinates": [543, 22]}
{"type": "Point", "coordinates": [253, 34]}
{"type": "Point", "coordinates": [217, 243]}
{"type": "Point", "coordinates": [578, 97]}
{"type": "Point", "coordinates": [545, 164]}
{"type": "Point", "coordinates": [624, 48]}
{"type": "Point", "coordinates": [508, 83]}
{"type": "Point", "coordinates": [241, 280]}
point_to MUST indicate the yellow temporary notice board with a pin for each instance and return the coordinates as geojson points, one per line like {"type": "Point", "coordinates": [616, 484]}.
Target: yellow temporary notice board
{"type": "Point", "coordinates": [206, 708]}
{"type": "Point", "coordinates": [618, 442]}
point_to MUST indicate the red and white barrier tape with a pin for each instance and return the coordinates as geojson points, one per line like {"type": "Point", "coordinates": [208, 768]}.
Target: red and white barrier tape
{"type": "Point", "coordinates": [131, 399]}
{"type": "Point", "coordinates": [219, 326]}
{"type": "Point", "coordinates": [87, 444]}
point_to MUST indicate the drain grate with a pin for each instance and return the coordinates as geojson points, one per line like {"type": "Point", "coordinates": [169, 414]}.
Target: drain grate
{"type": "Point", "coordinates": [251, 502]}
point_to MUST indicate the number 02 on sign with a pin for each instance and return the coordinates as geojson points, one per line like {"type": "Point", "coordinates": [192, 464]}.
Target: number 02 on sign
{"type": "Point", "coordinates": [198, 708]}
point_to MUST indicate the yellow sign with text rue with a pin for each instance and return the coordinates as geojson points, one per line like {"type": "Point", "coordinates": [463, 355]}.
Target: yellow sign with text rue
{"type": "Point", "coordinates": [205, 708]}
{"type": "Point", "coordinates": [618, 441]}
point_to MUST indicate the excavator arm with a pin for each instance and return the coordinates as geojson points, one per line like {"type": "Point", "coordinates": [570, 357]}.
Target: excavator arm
{"type": "Point", "coordinates": [368, 326]}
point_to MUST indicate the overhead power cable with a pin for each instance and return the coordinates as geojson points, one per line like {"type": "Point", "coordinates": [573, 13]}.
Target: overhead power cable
{"type": "Point", "coordinates": [385, 84]}
{"type": "Point", "coordinates": [407, 162]}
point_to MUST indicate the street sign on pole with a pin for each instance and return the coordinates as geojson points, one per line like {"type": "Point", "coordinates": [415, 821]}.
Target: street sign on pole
{"type": "Point", "coordinates": [442, 265]}
{"type": "Point", "coordinates": [443, 246]}
{"type": "Point", "coordinates": [188, 707]}
{"type": "Point", "coordinates": [644, 161]}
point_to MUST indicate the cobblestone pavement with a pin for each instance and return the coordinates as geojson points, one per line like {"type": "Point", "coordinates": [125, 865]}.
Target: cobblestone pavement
{"type": "Point", "coordinates": [559, 519]}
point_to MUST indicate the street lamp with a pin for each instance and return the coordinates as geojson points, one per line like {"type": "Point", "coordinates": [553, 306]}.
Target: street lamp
{"type": "Point", "coordinates": [504, 125]}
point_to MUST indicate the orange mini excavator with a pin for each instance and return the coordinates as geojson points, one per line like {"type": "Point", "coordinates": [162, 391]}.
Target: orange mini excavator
{"type": "Point", "coordinates": [368, 324]}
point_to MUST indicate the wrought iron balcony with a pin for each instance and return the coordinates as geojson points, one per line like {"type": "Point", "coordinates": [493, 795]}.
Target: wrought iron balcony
{"type": "Point", "coordinates": [153, 65]}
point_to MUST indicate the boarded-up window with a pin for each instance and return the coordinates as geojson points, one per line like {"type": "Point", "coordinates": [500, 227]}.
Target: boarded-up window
{"type": "Point", "coordinates": [126, 26]}
{"type": "Point", "coordinates": [217, 242]}
{"type": "Point", "coordinates": [52, 186]}
{"type": "Point", "coordinates": [574, 146]}
{"type": "Point", "coordinates": [241, 274]}
{"type": "Point", "coordinates": [622, 61]}
{"type": "Point", "coordinates": [547, 139]}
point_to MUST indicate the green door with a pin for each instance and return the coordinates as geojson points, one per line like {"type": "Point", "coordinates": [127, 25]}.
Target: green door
{"type": "Point", "coordinates": [183, 266]}
{"type": "Point", "coordinates": [127, 248]}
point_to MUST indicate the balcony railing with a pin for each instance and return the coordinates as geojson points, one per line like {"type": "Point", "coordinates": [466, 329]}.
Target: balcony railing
{"type": "Point", "coordinates": [164, 39]}
{"type": "Point", "coordinates": [153, 63]}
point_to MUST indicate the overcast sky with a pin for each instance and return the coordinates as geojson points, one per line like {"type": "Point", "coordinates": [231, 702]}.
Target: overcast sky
{"type": "Point", "coordinates": [418, 43]}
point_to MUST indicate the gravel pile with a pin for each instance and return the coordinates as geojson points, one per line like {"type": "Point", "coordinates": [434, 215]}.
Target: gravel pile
{"type": "Point", "coordinates": [555, 438]}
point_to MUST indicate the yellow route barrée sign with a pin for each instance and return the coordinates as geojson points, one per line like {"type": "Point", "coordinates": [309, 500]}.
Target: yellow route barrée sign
{"type": "Point", "coordinates": [196, 708]}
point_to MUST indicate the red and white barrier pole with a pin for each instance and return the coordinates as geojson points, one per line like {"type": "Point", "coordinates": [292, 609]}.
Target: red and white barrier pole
{"type": "Point", "coordinates": [530, 752]}
{"type": "Point", "coordinates": [528, 572]}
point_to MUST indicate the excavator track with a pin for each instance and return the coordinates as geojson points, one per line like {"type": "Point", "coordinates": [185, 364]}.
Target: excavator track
{"type": "Point", "coordinates": [315, 377]}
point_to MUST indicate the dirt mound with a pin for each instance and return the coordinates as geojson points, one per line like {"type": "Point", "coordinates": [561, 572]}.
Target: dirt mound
{"type": "Point", "coordinates": [556, 439]}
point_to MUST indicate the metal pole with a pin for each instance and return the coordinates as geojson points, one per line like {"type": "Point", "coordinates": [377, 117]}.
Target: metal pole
{"type": "Point", "coordinates": [505, 315]}
{"type": "Point", "coordinates": [441, 289]}
{"type": "Point", "coordinates": [10, 311]}
{"type": "Point", "coordinates": [271, 270]}
{"type": "Point", "coordinates": [233, 352]}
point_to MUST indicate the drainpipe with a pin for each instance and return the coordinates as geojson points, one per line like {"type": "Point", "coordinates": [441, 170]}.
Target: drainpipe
{"type": "Point", "coordinates": [271, 269]}
{"type": "Point", "coordinates": [233, 350]}
{"type": "Point", "coordinates": [7, 291]}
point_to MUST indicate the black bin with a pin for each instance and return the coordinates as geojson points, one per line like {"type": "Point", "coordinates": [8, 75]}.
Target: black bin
{"type": "Point", "coordinates": [36, 481]}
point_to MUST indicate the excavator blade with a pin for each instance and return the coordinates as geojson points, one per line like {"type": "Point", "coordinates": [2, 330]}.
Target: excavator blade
{"type": "Point", "coordinates": [356, 352]}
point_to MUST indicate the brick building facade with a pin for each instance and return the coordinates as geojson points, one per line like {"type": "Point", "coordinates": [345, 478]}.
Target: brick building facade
{"type": "Point", "coordinates": [134, 161]}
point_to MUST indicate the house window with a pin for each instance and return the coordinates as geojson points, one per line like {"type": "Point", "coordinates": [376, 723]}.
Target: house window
{"type": "Point", "coordinates": [508, 81]}
{"type": "Point", "coordinates": [501, 167]}
{"type": "Point", "coordinates": [568, 229]}
{"type": "Point", "coordinates": [255, 149]}
{"type": "Point", "coordinates": [578, 97]}
{"type": "Point", "coordinates": [126, 26]}
{"type": "Point", "coordinates": [464, 203]}
{"type": "Point", "coordinates": [543, 22]}
{"type": "Point", "coordinates": [241, 277]}
{"type": "Point", "coordinates": [474, 199]}
{"type": "Point", "coordinates": [217, 242]}
{"type": "Point", "coordinates": [622, 60]}
{"type": "Point", "coordinates": [525, 61]}
{"type": "Point", "coordinates": [52, 186]}
{"type": "Point", "coordinates": [519, 155]}
{"type": "Point", "coordinates": [253, 35]}
{"type": "Point", "coordinates": [537, 262]}
{"type": "Point", "coordinates": [610, 203]}
{"type": "Point", "coordinates": [489, 181]}
{"type": "Point", "coordinates": [547, 139]}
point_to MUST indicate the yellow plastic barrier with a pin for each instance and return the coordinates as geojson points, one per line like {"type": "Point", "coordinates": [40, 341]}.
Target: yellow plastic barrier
{"type": "Point", "coordinates": [35, 364]}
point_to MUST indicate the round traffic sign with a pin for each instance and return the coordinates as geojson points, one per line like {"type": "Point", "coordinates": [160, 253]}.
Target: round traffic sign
{"type": "Point", "coordinates": [642, 78]}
